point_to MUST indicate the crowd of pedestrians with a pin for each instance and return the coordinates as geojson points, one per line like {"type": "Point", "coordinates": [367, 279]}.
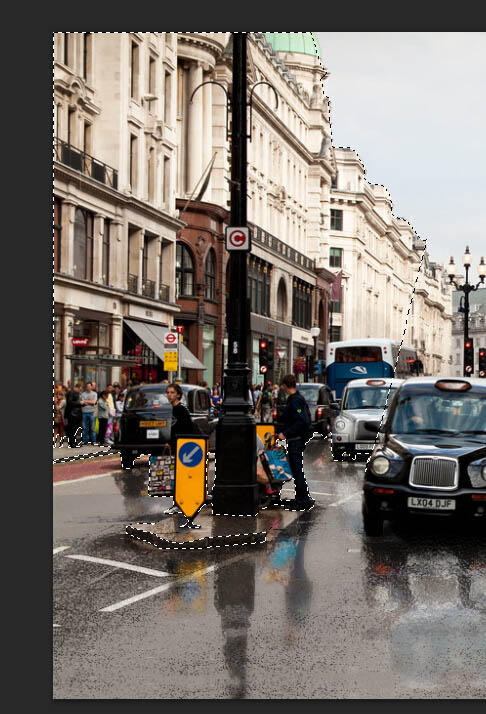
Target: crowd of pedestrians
{"type": "Point", "coordinates": [84, 415]}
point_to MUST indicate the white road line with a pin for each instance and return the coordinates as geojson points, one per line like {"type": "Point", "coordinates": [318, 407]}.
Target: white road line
{"type": "Point", "coordinates": [347, 498]}
{"type": "Point", "coordinates": [120, 564]}
{"type": "Point", "coordinates": [154, 591]}
{"type": "Point", "coordinates": [83, 478]}
{"type": "Point", "coordinates": [60, 548]}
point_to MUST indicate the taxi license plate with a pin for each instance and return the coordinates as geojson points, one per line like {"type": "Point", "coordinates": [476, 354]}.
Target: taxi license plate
{"type": "Point", "coordinates": [365, 447]}
{"type": "Point", "coordinates": [153, 423]}
{"type": "Point", "coordinates": [152, 433]}
{"type": "Point", "coordinates": [433, 504]}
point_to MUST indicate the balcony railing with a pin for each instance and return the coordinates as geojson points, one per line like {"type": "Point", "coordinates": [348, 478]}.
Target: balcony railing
{"type": "Point", "coordinates": [148, 288]}
{"type": "Point", "coordinates": [133, 284]}
{"type": "Point", "coordinates": [86, 164]}
{"type": "Point", "coordinates": [164, 293]}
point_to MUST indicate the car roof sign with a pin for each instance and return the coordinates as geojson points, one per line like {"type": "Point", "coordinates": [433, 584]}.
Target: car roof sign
{"type": "Point", "coordinates": [456, 385]}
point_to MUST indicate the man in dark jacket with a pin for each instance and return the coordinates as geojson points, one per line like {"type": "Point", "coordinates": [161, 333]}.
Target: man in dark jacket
{"type": "Point", "coordinates": [73, 414]}
{"type": "Point", "coordinates": [296, 430]}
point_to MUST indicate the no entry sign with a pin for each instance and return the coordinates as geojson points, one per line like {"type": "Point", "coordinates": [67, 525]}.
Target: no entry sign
{"type": "Point", "coordinates": [238, 238]}
{"type": "Point", "coordinates": [170, 339]}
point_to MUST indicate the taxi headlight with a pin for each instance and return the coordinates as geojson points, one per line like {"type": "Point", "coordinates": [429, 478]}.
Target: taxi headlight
{"type": "Point", "coordinates": [380, 465]}
{"type": "Point", "coordinates": [340, 424]}
{"type": "Point", "coordinates": [483, 472]}
{"type": "Point", "coordinates": [477, 473]}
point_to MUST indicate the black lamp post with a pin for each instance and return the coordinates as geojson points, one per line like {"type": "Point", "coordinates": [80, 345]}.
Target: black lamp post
{"type": "Point", "coordinates": [235, 489]}
{"type": "Point", "coordinates": [466, 287]}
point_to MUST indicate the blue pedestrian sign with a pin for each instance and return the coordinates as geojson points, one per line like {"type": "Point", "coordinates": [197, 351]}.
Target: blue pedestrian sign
{"type": "Point", "coordinates": [190, 454]}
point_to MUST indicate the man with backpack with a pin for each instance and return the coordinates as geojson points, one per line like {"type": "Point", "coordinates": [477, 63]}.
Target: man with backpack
{"type": "Point", "coordinates": [296, 430]}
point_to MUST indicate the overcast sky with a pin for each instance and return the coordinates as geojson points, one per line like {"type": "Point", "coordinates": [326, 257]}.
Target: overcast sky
{"type": "Point", "coordinates": [413, 106]}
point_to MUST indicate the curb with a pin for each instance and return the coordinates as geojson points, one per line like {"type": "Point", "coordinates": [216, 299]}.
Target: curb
{"type": "Point", "coordinates": [80, 457]}
{"type": "Point", "coordinates": [198, 543]}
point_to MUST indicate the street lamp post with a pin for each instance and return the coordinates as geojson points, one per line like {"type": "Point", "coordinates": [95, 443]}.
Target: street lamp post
{"type": "Point", "coordinates": [466, 287]}
{"type": "Point", "coordinates": [235, 489]}
{"type": "Point", "coordinates": [315, 332]}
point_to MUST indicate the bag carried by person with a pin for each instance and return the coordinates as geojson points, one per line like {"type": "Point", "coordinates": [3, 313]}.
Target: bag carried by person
{"type": "Point", "coordinates": [162, 474]}
{"type": "Point", "coordinates": [109, 430]}
{"type": "Point", "coordinates": [274, 461]}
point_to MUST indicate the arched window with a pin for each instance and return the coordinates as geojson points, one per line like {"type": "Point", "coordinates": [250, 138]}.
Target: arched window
{"type": "Point", "coordinates": [281, 301]}
{"type": "Point", "coordinates": [184, 270]}
{"type": "Point", "coordinates": [210, 271]}
{"type": "Point", "coordinates": [83, 245]}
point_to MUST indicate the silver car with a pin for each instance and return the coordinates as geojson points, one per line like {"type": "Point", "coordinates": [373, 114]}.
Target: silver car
{"type": "Point", "coordinates": [363, 400]}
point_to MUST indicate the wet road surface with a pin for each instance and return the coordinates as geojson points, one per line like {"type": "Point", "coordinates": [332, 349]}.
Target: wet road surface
{"type": "Point", "coordinates": [323, 612]}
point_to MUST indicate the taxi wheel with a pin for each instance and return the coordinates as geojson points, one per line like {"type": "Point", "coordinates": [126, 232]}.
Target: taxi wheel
{"type": "Point", "coordinates": [372, 524]}
{"type": "Point", "coordinates": [126, 459]}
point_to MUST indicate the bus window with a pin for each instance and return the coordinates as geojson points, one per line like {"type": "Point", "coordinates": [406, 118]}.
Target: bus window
{"type": "Point", "coordinates": [362, 353]}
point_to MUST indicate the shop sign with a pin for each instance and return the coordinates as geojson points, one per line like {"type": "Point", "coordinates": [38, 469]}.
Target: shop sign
{"type": "Point", "coordinates": [80, 341]}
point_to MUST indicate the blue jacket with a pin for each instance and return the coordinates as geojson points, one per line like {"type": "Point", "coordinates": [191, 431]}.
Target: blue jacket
{"type": "Point", "coordinates": [295, 418]}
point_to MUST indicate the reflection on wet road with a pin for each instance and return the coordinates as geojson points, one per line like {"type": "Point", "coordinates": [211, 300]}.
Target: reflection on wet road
{"type": "Point", "coordinates": [323, 611]}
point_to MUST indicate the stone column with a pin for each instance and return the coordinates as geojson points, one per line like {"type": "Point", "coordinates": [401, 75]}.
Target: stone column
{"type": "Point", "coordinates": [207, 128]}
{"type": "Point", "coordinates": [116, 343]}
{"type": "Point", "coordinates": [98, 229]}
{"type": "Point", "coordinates": [194, 128]}
{"type": "Point", "coordinates": [67, 237]}
{"type": "Point", "coordinates": [118, 255]}
{"type": "Point", "coordinates": [68, 317]}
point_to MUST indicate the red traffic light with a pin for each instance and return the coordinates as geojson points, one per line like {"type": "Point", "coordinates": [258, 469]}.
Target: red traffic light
{"type": "Point", "coordinates": [482, 353]}
{"type": "Point", "coordinates": [467, 344]}
{"type": "Point", "coordinates": [263, 344]}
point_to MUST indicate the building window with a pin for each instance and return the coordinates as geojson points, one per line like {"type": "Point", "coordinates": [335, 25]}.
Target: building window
{"type": "Point", "coordinates": [87, 138]}
{"type": "Point", "coordinates": [336, 219]}
{"type": "Point", "coordinates": [71, 127]}
{"type": "Point", "coordinates": [167, 96]}
{"type": "Point", "coordinates": [336, 258]}
{"type": "Point", "coordinates": [166, 195]}
{"type": "Point", "coordinates": [302, 304]}
{"type": "Point", "coordinates": [210, 270]}
{"type": "Point", "coordinates": [134, 67]}
{"type": "Point", "coordinates": [259, 286]}
{"type": "Point", "coordinates": [87, 39]}
{"type": "Point", "coordinates": [105, 257]}
{"type": "Point", "coordinates": [151, 77]}
{"type": "Point", "coordinates": [133, 161]}
{"type": "Point", "coordinates": [335, 333]}
{"type": "Point", "coordinates": [334, 181]}
{"type": "Point", "coordinates": [67, 48]}
{"type": "Point", "coordinates": [151, 174]}
{"type": "Point", "coordinates": [335, 305]}
{"type": "Point", "coordinates": [57, 234]}
{"type": "Point", "coordinates": [83, 245]}
{"type": "Point", "coordinates": [184, 270]}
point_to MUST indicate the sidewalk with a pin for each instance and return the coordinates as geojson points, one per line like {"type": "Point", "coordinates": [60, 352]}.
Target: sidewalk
{"type": "Point", "coordinates": [64, 453]}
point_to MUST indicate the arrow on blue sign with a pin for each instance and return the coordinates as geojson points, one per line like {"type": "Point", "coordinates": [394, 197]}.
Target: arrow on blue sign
{"type": "Point", "coordinates": [190, 454]}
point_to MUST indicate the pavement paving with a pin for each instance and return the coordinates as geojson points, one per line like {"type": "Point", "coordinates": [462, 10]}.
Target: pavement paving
{"type": "Point", "coordinates": [66, 453]}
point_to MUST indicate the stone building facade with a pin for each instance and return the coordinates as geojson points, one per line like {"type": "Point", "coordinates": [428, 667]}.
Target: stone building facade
{"type": "Point", "coordinates": [380, 256]}
{"type": "Point", "coordinates": [115, 219]}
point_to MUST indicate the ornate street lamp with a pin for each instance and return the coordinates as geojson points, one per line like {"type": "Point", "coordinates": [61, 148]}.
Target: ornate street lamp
{"type": "Point", "coordinates": [466, 288]}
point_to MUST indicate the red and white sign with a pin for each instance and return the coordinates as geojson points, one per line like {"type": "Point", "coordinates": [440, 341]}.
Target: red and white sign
{"type": "Point", "coordinates": [238, 238]}
{"type": "Point", "coordinates": [170, 339]}
{"type": "Point", "coordinates": [263, 369]}
{"type": "Point", "coordinates": [180, 329]}
{"type": "Point", "coordinates": [80, 341]}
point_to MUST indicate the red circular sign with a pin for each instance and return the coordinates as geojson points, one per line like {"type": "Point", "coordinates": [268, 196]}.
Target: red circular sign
{"type": "Point", "coordinates": [180, 329]}
{"type": "Point", "coordinates": [468, 368]}
{"type": "Point", "coordinates": [237, 238]}
{"type": "Point", "coordinates": [263, 369]}
{"type": "Point", "coordinates": [170, 338]}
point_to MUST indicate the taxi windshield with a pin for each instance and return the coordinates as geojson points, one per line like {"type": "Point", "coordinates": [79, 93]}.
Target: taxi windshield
{"type": "Point", "coordinates": [447, 413]}
{"type": "Point", "coordinates": [368, 397]}
{"type": "Point", "coordinates": [149, 399]}
{"type": "Point", "coordinates": [309, 392]}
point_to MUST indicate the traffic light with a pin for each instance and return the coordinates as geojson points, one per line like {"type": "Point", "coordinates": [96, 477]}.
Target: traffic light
{"type": "Point", "coordinates": [270, 356]}
{"type": "Point", "coordinates": [469, 357]}
{"type": "Point", "coordinates": [482, 362]}
{"type": "Point", "coordinates": [263, 356]}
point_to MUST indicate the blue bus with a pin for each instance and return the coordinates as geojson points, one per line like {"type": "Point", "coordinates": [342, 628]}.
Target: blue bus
{"type": "Point", "coordinates": [356, 359]}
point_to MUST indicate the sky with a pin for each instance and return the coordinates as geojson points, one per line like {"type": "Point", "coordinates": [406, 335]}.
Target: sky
{"type": "Point", "coordinates": [413, 106]}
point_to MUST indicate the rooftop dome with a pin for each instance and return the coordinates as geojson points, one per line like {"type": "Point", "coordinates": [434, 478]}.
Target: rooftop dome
{"type": "Point", "coordinates": [304, 43]}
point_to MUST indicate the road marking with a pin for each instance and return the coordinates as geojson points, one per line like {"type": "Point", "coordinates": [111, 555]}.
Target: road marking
{"type": "Point", "coordinates": [354, 550]}
{"type": "Point", "coordinates": [60, 548]}
{"type": "Point", "coordinates": [347, 498]}
{"type": "Point", "coordinates": [84, 478]}
{"type": "Point", "coordinates": [154, 591]}
{"type": "Point", "coordinates": [119, 564]}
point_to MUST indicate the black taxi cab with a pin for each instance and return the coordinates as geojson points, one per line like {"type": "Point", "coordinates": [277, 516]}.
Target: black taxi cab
{"type": "Point", "coordinates": [430, 458]}
{"type": "Point", "coordinates": [146, 420]}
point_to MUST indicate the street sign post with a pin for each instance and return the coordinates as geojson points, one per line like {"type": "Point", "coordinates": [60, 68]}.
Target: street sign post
{"type": "Point", "coordinates": [170, 339]}
{"type": "Point", "coordinates": [190, 476]}
{"type": "Point", "coordinates": [170, 360]}
{"type": "Point", "coordinates": [238, 238]}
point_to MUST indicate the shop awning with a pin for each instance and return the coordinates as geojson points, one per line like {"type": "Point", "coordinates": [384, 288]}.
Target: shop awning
{"type": "Point", "coordinates": [154, 335]}
{"type": "Point", "coordinates": [104, 360]}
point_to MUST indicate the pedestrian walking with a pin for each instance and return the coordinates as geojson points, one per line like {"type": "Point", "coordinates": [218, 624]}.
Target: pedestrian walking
{"type": "Point", "coordinates": [216, 400]}
{"type": "Point", "coordinates": [182, 423]}
{"type": "Point", "coordinates": [296, 430]}
{"type": "Point", "coordinates": [73, 416]}
{"type": "Point", "coordinates": [103, 416]}
{"type": "Point", "coordinates": [88, 403]}
{"type": "Point", "coordinates": [265, 403]}
{"type": "Point", "coordinates": [59, 406]}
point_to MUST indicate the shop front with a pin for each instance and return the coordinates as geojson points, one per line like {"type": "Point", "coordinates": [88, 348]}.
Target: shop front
{"type": "Point", "coordinates": [278, 336]}
{"type": "Point", "coordinates": [90, 341]}
{"type": "Point", "coordinates": [303, 355]}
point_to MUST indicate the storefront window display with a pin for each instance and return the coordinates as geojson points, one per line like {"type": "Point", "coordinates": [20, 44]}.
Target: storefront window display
{"type": "Point", "coordinates": [91, 337]}
{"type": "Point", "coordinates": [149, 368]}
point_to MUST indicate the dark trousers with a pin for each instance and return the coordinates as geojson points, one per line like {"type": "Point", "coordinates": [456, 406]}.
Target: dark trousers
{"type": "Point", "coordinates": [102, 430]}
{"type": "Point", "coordinates": [295, 457]}
{"type": "Point", "coordinates": [71, 428]}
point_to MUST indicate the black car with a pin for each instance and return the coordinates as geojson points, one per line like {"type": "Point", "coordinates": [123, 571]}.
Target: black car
{"type": "Point", "coordinates": [145, 424]}
{"type": "Point", "coordinates": [431, 455]}
{"type": "Point", "coordinates": [321, 405]}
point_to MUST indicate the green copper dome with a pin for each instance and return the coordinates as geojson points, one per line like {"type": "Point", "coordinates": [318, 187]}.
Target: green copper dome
{"type": "Point", "coordinates": [305, 43]}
